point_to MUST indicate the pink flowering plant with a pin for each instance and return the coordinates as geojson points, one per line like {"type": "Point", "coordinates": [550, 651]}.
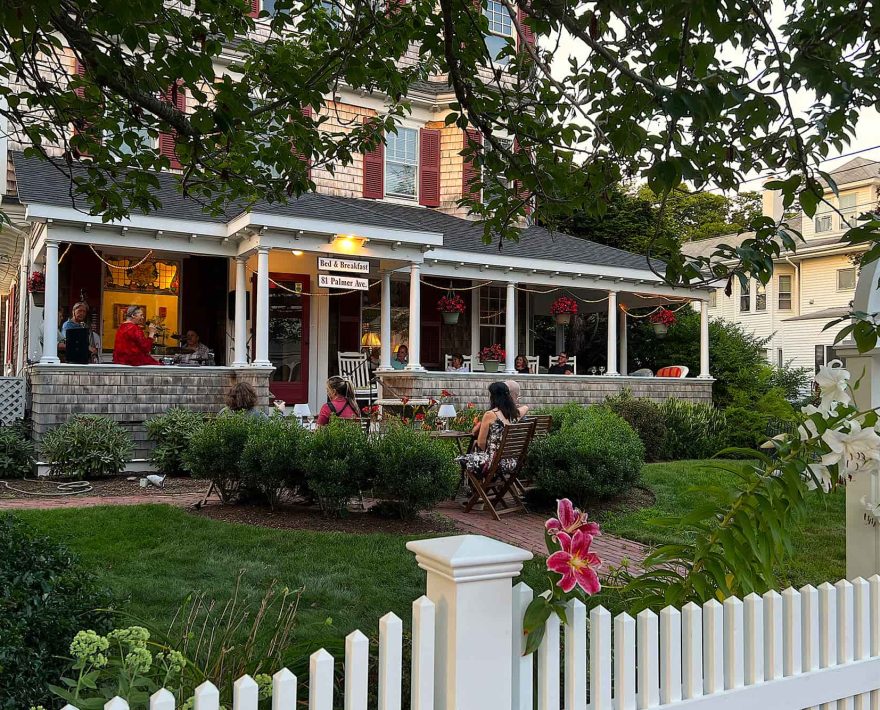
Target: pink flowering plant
{"type": "Point", "coordinates": [493, 352]}
{"type": "Point", "coordinates": [452, 303]}
{"type": "Point", "coordinates": [663, 316]}
{"type": "Point", "coordinates": [564, 304]}
{"type": "Point", "coordinates": [572, 569]}
{"type": "Point", "coordinates": [36, 282]}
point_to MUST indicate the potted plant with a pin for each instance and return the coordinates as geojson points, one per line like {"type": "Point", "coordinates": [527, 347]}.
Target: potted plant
{"type": "Point", "coordinates": [563, 308]}
{"type": "Point", "coordinates": [36, 286]}
{"type": "Point", "coordinates": [451, 306]}
{"type": "Point", "coordinates": [661, 320]}
{"type": "Point", "coordinates": [491, 355]}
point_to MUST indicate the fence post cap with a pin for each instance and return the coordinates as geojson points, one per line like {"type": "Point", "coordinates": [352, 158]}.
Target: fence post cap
{"type": "Point", "coordinates": [469, 558]}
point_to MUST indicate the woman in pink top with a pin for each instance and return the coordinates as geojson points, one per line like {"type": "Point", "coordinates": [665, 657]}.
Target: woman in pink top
{"type": "Point", "coordinates": [342, 402]}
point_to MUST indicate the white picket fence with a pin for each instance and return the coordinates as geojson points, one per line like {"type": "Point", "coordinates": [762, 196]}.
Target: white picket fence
{"type": "Point", "coordinates": [799, 649]}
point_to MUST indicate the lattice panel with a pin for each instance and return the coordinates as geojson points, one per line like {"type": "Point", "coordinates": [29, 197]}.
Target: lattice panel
{"type": "Point", "coordinates": [12, 394]}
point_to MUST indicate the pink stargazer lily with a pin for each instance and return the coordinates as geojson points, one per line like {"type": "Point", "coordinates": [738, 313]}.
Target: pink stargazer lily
{"type": "Point", "coordinates": [569, 520]}
{"type": "Point", "coordinates": [576, 563]}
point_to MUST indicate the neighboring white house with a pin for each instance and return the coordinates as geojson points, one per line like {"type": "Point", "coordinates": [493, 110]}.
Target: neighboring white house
{"type": "Point", "coordinates": [812, 286]}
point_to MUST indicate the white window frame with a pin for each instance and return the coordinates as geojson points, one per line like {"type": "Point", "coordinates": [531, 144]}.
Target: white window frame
{"type": "Point", "coordinates": [497, 24]}
{"type": "Point", "coordinates": [822, 223]}
{"type": "Point", "coordinates": [848, 212]}
{"type": "Point", "coordinates": [760, 291]}
{"type": "Point", "coordinates": [493, 314]}
{"type": "Point", "coordinates": [713, 298]}
{"type": "Point", "coordinates": [781, 291]}
{"type": "Point", "coordinates": [408, 199]}
{"type": "Point", "coordinates": [850, 269]}
{"type": "Point", "coordinates": [745, 292]}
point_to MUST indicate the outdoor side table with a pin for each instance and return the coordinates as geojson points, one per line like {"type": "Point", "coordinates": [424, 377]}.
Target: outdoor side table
{"type": "Point", "coordinates": [460, 437]}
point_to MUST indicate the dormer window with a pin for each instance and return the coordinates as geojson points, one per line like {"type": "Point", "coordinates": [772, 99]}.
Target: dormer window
{"type": "Point", "coordinates": [500, 30]}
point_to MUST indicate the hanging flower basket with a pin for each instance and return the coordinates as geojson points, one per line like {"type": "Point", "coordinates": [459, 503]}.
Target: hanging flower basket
{"type": "Point", "coordinates": [661, 320]}
{"type": "Point", "coordinates": [36, 286]}
{"type": "Point", "coordinates": [491, 356]}
{"type": "Point", "coordinates": [563, 308]}
{"type": "Point", "coordinates": [451, 306]}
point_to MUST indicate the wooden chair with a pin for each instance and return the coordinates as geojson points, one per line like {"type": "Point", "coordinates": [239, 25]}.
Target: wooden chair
{"type": "Point", "coordinates": [500, 481]}
{"type": "Point", "coordinates": [572, 360]}
{"type": "Point", "coordinates": [354, 366]}
{"type": "Point", "coordinates": [448, 360]}
{"type": "Point", "coordinates": [533, 364]}
{"type": "Point", "coordinates": [543, 424]}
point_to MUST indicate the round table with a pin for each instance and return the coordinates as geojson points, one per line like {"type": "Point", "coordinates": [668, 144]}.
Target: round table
{"type": "Point", "coordinates": [458, 436]}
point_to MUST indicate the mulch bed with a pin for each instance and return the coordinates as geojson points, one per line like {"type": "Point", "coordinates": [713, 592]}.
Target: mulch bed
{"type": "Point", "coordinates": [303, 517]}
{"type": "Point", "coordinates": [108, 488]}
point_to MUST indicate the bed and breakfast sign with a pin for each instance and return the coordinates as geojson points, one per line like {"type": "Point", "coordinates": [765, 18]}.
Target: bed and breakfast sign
{"type": "Point", "coordinates": [327, 263]}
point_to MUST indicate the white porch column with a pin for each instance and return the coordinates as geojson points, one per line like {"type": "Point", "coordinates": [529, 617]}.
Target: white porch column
{"type": "Point", "coordinates": [469, 583]}
{"type": "Point", "coordinates": [385, 323]}
{"type": "Point", "coordinates": [50, 312]}
{"type": "Point", "coordinates": [624, 344]}
{"type": "Point", "coordinates": [240, 323]}
{"type": "Point", "coordinates": [704, 339]}
{"type": "Point", "coordinates": [475, 326]}
{"type": "Point", "coordinates": [262, 354]}
{"type": "Point", "coordinates": [510, 327]}
{"type": "Point", "coordinates": [22, 294]}
{"type": "Point", "coordinates": [415, 318]}
{"type": "Point", "coordinates": [612, 334]}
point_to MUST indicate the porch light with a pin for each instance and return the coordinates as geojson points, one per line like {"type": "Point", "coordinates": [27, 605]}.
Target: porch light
{"type": "Point", "coordinates": [349, 242]}
{"type": "Point", "coordinates": [297, 252]}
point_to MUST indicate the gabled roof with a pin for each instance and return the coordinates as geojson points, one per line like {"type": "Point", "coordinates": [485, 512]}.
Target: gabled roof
{"type": "Point", "coordinates": [43, 182]}
{"type": "Point", "coordinates": [855, 170]}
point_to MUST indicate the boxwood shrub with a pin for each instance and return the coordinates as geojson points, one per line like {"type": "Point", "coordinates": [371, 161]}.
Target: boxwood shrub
{"type": "Point", "coordinates": [87, 446]}
{"type": "Point", "coordinates": [215, 449]}
{"type": "Point", "coordinates": [339, 465]}
{"type": "Point", "coordinates": [172, 432]}
{"type": "Point", "coordinates": [273, 457]}
{"type": "Point", "coordinates": [593, 455]}
{"type": "Point", "coordinates": [646, 418]}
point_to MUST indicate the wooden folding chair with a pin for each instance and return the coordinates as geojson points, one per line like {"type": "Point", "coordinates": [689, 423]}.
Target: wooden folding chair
{"type": "Point", "coordinates": [501, 480]}
{"type": "Point", "coordinates": [543, 424]}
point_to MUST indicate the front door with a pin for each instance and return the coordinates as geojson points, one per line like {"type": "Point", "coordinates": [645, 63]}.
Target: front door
{"type": "Point", "coordinates": [288, 336]}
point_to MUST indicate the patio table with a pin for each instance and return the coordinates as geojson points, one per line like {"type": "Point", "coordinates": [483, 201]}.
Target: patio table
{"type": "Point", "coordinates": [458, 436]}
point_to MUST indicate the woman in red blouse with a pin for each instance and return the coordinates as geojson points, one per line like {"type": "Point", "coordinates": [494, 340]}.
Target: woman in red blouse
{"type": "Point", "coordinates": [131, 346]}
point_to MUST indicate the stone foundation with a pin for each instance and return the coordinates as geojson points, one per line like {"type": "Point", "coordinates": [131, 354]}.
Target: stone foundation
{"type": "Point", "coordinates": [131, 395]}
{"type": "Point", "coordinates": [542, 390]}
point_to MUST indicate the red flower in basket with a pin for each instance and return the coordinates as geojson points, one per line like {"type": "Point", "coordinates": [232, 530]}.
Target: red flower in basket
{"type": "Point", "coordinates": [564, 304]}
{"type": "Point", "coordinates": [452, 303]}
{"type": "Point", "coordinates": [37, 282]}
{"type": "Point", "coordinates": [493, 352]}
{"type": "Point", "coordinates": [663, 317]}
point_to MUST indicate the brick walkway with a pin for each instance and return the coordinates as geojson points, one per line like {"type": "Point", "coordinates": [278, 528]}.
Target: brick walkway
{"type": "Point", "coordinates": [526, 530]}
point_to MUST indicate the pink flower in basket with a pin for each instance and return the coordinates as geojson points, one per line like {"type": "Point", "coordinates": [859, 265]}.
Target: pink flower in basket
{"type": "Point", "coordinates": [664, 317]}
{"type": "Point", "coordinates": [564, 304]}
{"type": "Point", "coordinates": [493, 352]}
{"type": "Point", "coordinates": [452, 303]}
{"type": "Point", "coordinates": [37, 282]}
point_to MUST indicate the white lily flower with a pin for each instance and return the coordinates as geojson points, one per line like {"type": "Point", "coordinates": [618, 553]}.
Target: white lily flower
{"type": "Point", "coordinates": [853, 450]}
{"type": "Point", "coordinates": [817, 476]}
{"type": "Point", "coordinates": [833, 386]}
{"type": "Point", "coordinates": [808, 430]}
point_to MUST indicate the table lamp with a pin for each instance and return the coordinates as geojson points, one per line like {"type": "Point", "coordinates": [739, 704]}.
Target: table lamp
{"type": "Point", "coordinates": [300, 411]}
{"type": "Point", "coordinates": [447, 412]}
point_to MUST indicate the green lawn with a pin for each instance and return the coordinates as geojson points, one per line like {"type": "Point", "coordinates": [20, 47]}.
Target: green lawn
{"type": "Point", "coordinates": [819, 541]}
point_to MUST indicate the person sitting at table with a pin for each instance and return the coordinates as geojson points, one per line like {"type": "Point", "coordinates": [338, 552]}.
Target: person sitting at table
{"type": "Point", "coordinates": [490, 429]}
{"type": "Point", "coordinates": [242, 397]}
{"type": "Point", "coordinates": [562, 366]}
{"type": "Point", "coordinates": [194, 349]}
{"type": "Point", "coordinates": [131, 346]}
{"type": "Point", "coordinates": [342, 402]}
{"type": "Point", "coordinates": [513, 386]}
{"type": "Point", "coordinates": [456, 364]}
{"type": "Point", "coordinates": [77, 321]}
{"type": "Point", "coordinates": [401, 358]}
{"type": "Point", "coordinates": [521, 365]}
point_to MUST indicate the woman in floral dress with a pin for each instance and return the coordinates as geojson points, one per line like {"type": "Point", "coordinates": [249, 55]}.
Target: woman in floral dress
{"type": "Point", "coordinates": [503, 411]}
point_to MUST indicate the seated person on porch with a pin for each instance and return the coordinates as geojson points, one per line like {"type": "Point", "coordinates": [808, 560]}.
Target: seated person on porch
{"type": "Point", "coordinates": [77, 321]}
{"type": "Point", "coordinates": [342, 402]}
{"type": "Point", "coordinates": [401, 358]}
{"type": "Point", "coordinates": [131, 346]}
{"type": "Point", "coordinates": [489, 431]}
{"type": "Point", "coordinates": [456, 364]}
{"type": "Point", "coordinates": [194, 349]}
{"type": "Point", "coordinates": [242, 397]}
{"type": "Point", "coordinates": [513, 386]}
{"type": "Point", "coordinates": [521, 365]}
{"type": "Point", "coordinates": [561, 367]}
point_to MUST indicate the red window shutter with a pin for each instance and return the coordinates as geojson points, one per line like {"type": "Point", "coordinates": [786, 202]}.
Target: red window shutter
{"type": "Point", "coordinates": [79, 70]}
{"type": "Point", "coordinates": [521, 192]}
{"type": "Point", "coordinates": [374, 171]}
{"type": "Point", "coordinates": [429, 167]}
{"type": "Point", "coordinates": [528, 33]}
{"type": "Point", "coordinates": [175, 95]}
{"type": "Point", "coordinates": [255, 8]}
{"type": "Point", "coordinates": [307, 112]}
{"type": "Point", "coordinates": [470, 172]}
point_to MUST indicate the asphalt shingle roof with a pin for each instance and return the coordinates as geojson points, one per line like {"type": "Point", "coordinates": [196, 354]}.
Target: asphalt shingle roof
{"type": "Point", "coordinates": [41, 181]}
{"type": "Point", "coordinates": [854, 170]}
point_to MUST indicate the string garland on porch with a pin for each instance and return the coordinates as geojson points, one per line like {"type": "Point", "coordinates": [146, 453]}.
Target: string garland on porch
{"type": "Point", "coordinates": [657, 310]}
{"type": "Point", "coordinates": [61, 258]}
{"type": "Point", "coordinates": [457, 288]}
{"type": "Point", "coordinates": [116, 266]}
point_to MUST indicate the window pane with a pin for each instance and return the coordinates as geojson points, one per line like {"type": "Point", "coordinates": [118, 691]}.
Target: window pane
{"type": "Point", "coordinates": [823, 223]}
{"type": "Point", "coordinates": [494, 45]}
{"type": "Point", "coordinates": [713, 298]}
{"type": "Point", "coordinates": [760, 297]}
{"type": "Point", "coordinates": [499, 18]}
{"type": "Point", "coordinates": [785, 293]}
{"type": "Point", "coordinates": [401, 147]}
{"type": "Point", "coordinates": [846, 279]}
{"type": "Point", "coordinates": [401, 162]}
{"type": "Point", "coordinates": [745, 297]}
{"type": "Point", "coordinates": [400, 180]}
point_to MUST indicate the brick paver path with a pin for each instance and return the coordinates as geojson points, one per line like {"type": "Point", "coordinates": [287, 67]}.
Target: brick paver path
{"type": "Point", "coordinates": [43, 503]}
{"type": "Point", "coordinates": [526, 530]}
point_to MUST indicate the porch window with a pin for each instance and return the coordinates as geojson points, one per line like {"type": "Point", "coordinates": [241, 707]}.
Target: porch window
{"type": "Point", "coordinates": [493, 302]}
{"type": "Point", "coordinates": [745, 296]}
{"type": "Point", "coordinates": [846, 279]}
{"type": "Point", "coordinates": [784, 293]}
{"type": "Point", "coordinates": [402, 163]}
{"type": "Point", "coordinates": [500, 30]}
{"type": "Point", "coordinates": [760, 297]}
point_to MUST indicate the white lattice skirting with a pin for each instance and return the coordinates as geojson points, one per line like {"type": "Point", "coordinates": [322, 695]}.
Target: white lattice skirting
{"type": "Point", "coordinates": [12, 395]}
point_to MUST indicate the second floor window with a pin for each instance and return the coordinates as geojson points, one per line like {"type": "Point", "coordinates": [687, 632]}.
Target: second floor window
{"type": "Point", "coordinates": [402, 163]}
{"type": "Point", "coordinates": [784, 293]}
{"type": "Point", "coordinates": [823, 223]}
{"type": "Point", "coordinates": [500, 29]}
{"type": "Point", "coordinates": [760, 297]}
{"type": "Point", "coordinates": [846, 279]}
{"type": "Point", "coordinates": [848, 212]}
{"type": "Point", "coordinates": [745, 297]}
{"type": "Point", "coordinates": [713, 298]}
